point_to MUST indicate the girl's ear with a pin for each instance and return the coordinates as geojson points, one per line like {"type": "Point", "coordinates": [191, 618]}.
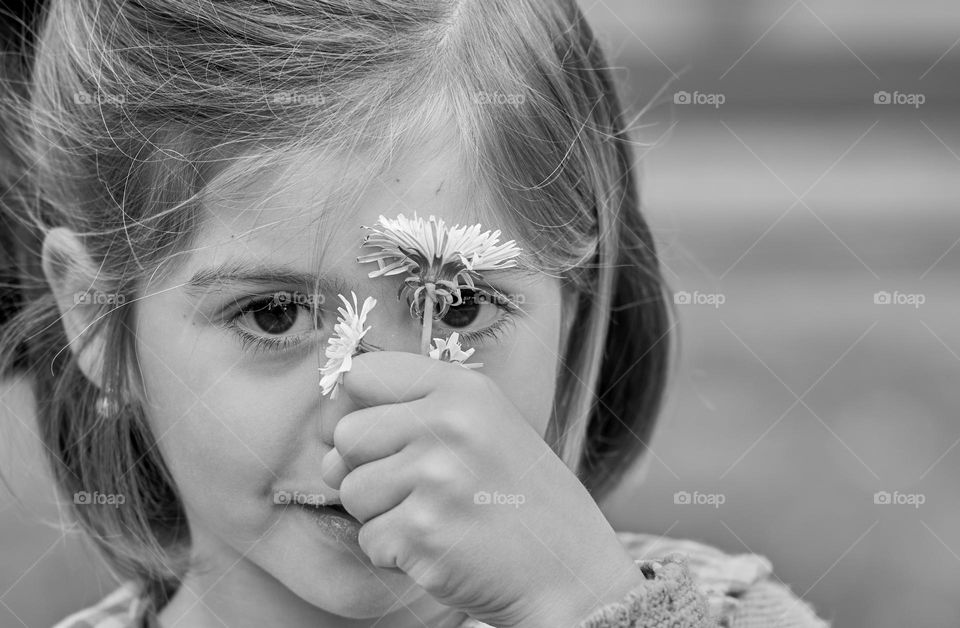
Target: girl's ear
{"type": "Point", "coordinates": [72, 276]}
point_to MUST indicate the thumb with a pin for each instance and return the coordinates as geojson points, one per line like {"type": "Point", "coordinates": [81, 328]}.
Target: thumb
{"type": "Point", "coordinates": [383, 377]}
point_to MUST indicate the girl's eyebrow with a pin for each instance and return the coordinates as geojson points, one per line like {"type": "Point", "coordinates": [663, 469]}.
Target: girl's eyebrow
{"type": "Point", "coordinates": [245, 272]}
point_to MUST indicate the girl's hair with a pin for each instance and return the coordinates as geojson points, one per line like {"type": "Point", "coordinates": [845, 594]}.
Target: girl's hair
{"type": "Point", "coordinates": [135, 109]}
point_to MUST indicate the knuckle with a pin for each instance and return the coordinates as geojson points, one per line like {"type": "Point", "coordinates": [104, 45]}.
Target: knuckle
{"type": "Point", "coordinates": [433, 577]}
{"type": "Point", "coordinates": [437, 471]}
{"type": "Point", "coordinates": [457, 424]}
{"type": "Point", "coordinates": [422, 522]}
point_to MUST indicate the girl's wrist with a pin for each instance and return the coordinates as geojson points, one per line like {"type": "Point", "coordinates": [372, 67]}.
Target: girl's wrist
{"type": "Point", "coordinates": [586, 594]}
{"type": "Point", "coordinates": [665, 588]}
{"type": "Point", "coordinates": [641, 596]}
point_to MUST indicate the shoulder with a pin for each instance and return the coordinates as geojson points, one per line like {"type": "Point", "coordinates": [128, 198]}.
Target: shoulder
{"type": "Point", "coordinates": [123, 608]}
{"type": "Point", "coordinates": [741, 589]}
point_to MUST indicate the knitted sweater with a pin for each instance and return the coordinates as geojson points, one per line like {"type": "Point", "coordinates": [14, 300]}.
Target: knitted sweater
{"type": "Point", "coordinates": [689, 585]}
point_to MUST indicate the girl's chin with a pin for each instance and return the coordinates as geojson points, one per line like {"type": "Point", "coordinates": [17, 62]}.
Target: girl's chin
{"type": "Point", "coordinates": [359, 597]}
{"type": "Point", "coordinates": [327, 575]}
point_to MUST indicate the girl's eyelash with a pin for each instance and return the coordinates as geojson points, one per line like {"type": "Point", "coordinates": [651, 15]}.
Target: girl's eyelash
{"type": "Point", "coordinates": [497, 329]}
{"type": "Point", "coordinates": [492, 332]}
{"type": "Point", "coordinates": [255, 343]}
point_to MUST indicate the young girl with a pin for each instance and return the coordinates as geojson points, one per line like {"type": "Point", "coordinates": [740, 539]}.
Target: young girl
{"type": "Point", "coordinates": [190, 163]}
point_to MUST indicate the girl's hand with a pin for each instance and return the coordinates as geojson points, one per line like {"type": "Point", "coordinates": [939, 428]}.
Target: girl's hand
{"type": "Point", "coordinates": [456, 489]}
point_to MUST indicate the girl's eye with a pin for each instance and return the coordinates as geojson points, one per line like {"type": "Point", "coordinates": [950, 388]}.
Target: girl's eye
{"type": "Point", "coordinates": [488, 312]}
{"type": "Point", "coordinates": [266, 322]}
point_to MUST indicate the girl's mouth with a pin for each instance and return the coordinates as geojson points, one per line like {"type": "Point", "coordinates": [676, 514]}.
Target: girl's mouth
{"type": "Point", "coordinates": [328, 509]}
{"type": "Point", "coordinates": [337, 524]}
{"type": "Point", "coordinates": [338, 508]}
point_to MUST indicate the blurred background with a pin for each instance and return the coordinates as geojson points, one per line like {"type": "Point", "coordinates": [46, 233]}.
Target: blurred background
{"type": "Point", "coordinates": [802, 172]}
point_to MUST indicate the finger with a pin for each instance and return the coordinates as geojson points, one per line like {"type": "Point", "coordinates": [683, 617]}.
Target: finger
{"type": "Point", "coordinates": [333, 469]}
{"type": "Point", "coordinates": [381, 539]}
{"type": "Point", "coordinates": [377, 487]}
{"type": "Point", "coordinates": [377, 432]}
{"type": "Point", "coordinates": [382, 377]}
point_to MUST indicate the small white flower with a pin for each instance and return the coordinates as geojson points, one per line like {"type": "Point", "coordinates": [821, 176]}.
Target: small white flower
{"type": "Point", "coordinates": [438, 259]}
{"type": "Point", "coordinates": [343, 343]}
{"type": "Point", "coordinates": [449, 350]}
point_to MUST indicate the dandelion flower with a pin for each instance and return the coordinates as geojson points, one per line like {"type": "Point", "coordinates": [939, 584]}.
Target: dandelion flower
{"type": "Point", "coordinates": [438, 260]}
{"type": "Point", "coordinates": [449, 350]}
{"type": "Point", "coordinates": [342, 345]}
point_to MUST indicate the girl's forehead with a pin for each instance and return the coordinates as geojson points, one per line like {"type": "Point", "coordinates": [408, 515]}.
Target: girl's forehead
{"type": "Point", "coordinates": [313, 190]}
{"type": "Point", "coordinates": [313, 203]}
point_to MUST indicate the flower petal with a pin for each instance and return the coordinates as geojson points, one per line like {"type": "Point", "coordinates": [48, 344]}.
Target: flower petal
{"type": "Point", "coordinates": [434, 254]}
{"type": "Point", "coordinates": [343, 343]}
{"type": "Point", "coordinates": [449, 350]}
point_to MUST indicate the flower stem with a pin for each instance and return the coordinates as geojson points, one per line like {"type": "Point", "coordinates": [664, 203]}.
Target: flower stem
{"type": "Point", "coordinates": [426, 330]}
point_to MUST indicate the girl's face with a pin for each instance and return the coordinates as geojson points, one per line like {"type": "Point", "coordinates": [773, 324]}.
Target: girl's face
{"type": "Point", "coordinates": [239, 418]}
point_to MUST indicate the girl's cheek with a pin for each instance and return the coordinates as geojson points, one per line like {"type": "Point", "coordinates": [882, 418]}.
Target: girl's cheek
{"type": "Point", "coordinates": [222, 433]}
{"type": "Point", "coordinates": [224, 460]}
{"type": "Point", "coordinates": [524, 371]}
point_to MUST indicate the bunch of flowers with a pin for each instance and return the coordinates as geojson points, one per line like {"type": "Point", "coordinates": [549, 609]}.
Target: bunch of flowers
{"type": "Point", "coordinates": [438, 262]}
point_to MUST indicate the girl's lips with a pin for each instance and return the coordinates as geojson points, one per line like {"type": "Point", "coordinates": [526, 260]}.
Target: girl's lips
{"type": "Point", "coordinates": [336, 524]}
{"type": "Point", "coordinates": [336, 509]}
